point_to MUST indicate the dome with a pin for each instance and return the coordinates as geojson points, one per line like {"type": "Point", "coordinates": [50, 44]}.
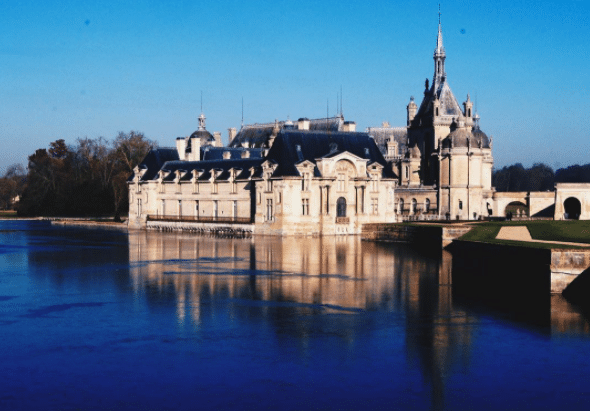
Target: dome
{"type": "Point", "coordinates": [203, 135]}
{"type": "Point", "coordinates": [457, 138]}
{"type": "Point", "coordinates": [481, 138]}
{"type": "Point", "coordinates": [461, 137]}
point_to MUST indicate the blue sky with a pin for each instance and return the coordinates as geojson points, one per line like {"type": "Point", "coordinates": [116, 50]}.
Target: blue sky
{"type": "Point", "coordinates": [74, 69]}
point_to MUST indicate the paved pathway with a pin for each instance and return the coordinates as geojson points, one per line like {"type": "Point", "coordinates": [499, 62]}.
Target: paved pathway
{"type": "Point", "coordinates": [518, 233]}
{"type": "Point", "coordinates": [521, 233]}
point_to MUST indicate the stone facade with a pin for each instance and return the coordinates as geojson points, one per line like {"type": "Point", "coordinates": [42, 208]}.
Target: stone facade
{"type": "Point", "coordinates": [309, 182]}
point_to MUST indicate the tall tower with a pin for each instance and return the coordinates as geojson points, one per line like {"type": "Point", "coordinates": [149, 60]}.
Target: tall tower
{"type": "Point", "coordinates": [434, 117]}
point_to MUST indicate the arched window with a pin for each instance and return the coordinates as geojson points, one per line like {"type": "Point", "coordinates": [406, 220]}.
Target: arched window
{"type": "Point", "coordinates": [341, 207]}
{"type": "Point", "coordinates": [400, 209]}
{"type": "Point", "coordinates": [414, 204]}
{"type": "Point", "coordinates": [427, 205]}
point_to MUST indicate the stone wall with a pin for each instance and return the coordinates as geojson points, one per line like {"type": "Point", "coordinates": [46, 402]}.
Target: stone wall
{"type": "Point", "coordinates": [437, 236]}
{"type": "Point", "coordinates": [223, 230]}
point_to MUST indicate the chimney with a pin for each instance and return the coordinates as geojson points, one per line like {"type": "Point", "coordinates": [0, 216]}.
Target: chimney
{"type": "Point", "coordinates": [181, 147]}
{"type": "Point", "coordinates": [231, 132]}
{"type": "Point", "coordinates": [217, 137]}
{"type": "Point", "coordinates": [195, 154]}
{"type": "Point", "coordinates": [303, 124]}
{"type": "Point", "coordinates": [349, 127]}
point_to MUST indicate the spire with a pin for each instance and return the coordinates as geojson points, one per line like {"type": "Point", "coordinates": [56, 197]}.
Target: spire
{"type": "Point", "coordinates": [440, 50]}
{"type": "Point", "coordinates": [439, 58]}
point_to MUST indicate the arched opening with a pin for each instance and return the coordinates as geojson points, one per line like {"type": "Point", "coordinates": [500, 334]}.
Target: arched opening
{"type": "Point", "coordinates": [341, 207]}
{"type": "Point", "coordinates": [400, 208]}
{"type": "Point", "coordinates": [516, 209]}
{"type": "Point", "coordinates": [414, 206]}
{"type": "Point", "coordinates": [427, 205]}
{"type": "Point", "coordinates": [572, 208]}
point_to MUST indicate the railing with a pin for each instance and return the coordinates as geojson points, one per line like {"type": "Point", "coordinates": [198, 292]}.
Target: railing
{"type": "Point", "coordinates": [201, 219]}
{"type": "Point", "coordinates": [342, 220]}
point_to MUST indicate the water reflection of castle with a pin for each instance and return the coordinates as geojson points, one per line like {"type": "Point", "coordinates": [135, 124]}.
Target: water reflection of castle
{"type": "Point", "coordinates": [329, 275]}
{"type": "Point", "coordinates": [302, 287]}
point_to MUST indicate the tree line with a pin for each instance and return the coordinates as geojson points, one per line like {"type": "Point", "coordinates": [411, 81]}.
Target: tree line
{"type": "Point", "coordinates": [539, 177]}
{"type": "Point", "coordinates": [86, 179]}
{"type": "Point", "coordinates": [90, 177]}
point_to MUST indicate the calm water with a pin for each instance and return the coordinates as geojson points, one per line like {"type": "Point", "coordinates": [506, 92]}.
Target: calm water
{"type": "Point", "coordinates": [94, 319]}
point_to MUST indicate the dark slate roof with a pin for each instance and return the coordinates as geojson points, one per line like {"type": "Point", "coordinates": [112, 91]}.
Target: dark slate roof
{"type": "Point", "coordinates": [223, 165]}
{"type": "Point", "coordinates": [154, 160]}
{"type": "Point", "coordinates": [292, 147]}
{"type": "Point", "coordinates": [448, 104]}
{"type": "Point", "coordinates": [257, 135]}
{"type": "Point", "coordinates": [216, 153]}
{"type": "Point", "coordinates": [461, 137]}
{"type": "Point", "coordinates": [383, 134]}
{"type": "Point", "coordinates": [323, 124]}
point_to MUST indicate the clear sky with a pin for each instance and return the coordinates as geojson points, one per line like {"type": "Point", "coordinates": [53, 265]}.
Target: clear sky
{"type": "Point", "coordinates": [74, 69]}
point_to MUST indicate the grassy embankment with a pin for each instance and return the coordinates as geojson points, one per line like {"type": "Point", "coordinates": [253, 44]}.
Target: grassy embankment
{"type": "Point", "coordinates": [545, 230]}
{"type": "Point", "coordinates": [7, 214]}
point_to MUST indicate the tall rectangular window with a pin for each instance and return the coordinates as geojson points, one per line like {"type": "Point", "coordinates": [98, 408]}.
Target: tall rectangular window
{"type": "Point", "coordinates": [269, 215]}
{"type": "Point", "coordinates": [305, 206]}
{"type": "Point", "coordinates": [341, 182]}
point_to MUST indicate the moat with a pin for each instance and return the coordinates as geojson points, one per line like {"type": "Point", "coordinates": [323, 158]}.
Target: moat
{"type": "Point", "coordinates": [96, 319]}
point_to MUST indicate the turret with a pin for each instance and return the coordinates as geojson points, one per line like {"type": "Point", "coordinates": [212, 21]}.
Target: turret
{"type": "Point", "coordinates": [468, 112]}
{"type": "Point", "coordinates": [412, 108]}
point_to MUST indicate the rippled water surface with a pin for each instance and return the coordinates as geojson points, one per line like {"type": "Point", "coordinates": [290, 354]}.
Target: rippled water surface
{"type": "Point", "coordinates": [97, 319]}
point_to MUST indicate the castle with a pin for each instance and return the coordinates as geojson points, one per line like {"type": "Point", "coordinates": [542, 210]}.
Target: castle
{"type": "Point", "coordinates": [322, 177]}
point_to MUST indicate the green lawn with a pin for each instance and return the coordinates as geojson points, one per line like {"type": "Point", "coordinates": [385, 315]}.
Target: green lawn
{"type": "Point", "coordinates": [7, 214]}
{"type": "Point", "coordinates": [548, 230]}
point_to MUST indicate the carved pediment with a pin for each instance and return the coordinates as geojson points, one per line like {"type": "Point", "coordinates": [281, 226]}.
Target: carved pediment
{"type": "Point", "coordinates": [345, 162]}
